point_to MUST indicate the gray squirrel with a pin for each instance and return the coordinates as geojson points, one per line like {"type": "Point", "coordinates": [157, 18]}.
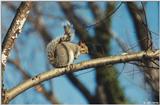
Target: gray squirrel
{"type": "Point", "coordinates": [62, 52]}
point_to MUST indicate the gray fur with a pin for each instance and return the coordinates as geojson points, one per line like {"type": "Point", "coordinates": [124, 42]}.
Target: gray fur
{"type": "Point", "coordinates": [62, 54]}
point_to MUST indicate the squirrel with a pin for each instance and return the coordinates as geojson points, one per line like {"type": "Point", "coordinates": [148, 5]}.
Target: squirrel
{"type": "Point", "coordinates": [62, 52]}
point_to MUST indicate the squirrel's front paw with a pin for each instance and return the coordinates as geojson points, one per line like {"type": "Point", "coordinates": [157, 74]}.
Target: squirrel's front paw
{"type": "Point", "coordinates": [69, 66]}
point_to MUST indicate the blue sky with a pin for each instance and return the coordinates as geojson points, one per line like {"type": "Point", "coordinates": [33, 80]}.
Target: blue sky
{"type": "Point", "coordinates": [33, 56]}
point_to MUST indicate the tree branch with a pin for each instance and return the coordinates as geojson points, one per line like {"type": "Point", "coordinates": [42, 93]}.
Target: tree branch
{"type": "Point", "coordinates": [10, 94]}
{"type": "Point", "coordinates": [14, 30]}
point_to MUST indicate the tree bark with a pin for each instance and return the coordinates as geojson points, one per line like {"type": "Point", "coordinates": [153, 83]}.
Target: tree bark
{"type": "Point", "coordinates": [10, 94]}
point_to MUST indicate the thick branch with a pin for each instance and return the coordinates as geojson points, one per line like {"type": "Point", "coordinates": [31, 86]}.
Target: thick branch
{"type": "Point", "coordinates": [14, 30]}
{"type": "Point", "coordinates": [10, 94]}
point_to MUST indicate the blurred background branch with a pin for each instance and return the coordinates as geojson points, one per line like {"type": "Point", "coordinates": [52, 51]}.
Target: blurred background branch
{"type": "Point", "coordinates": [145, 41]}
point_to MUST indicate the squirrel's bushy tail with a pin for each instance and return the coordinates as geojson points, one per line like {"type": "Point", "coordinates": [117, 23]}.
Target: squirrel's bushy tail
{"type": "Point", "coordinates": [67, 37]}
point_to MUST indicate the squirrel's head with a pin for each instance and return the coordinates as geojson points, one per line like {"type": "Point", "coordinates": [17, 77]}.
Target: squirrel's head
{"type": "Point", "coordinates": [83, 48]}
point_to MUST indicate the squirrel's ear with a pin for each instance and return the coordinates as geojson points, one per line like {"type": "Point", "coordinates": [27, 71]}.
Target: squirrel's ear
{"type": "Point", "coordinates": [81, 42]}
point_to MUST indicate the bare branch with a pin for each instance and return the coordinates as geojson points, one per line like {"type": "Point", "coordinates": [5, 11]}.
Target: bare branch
{"type": "Point", "coordinates": [14, 30]}
{"type": "Point", "coordinates": [10, 94]}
